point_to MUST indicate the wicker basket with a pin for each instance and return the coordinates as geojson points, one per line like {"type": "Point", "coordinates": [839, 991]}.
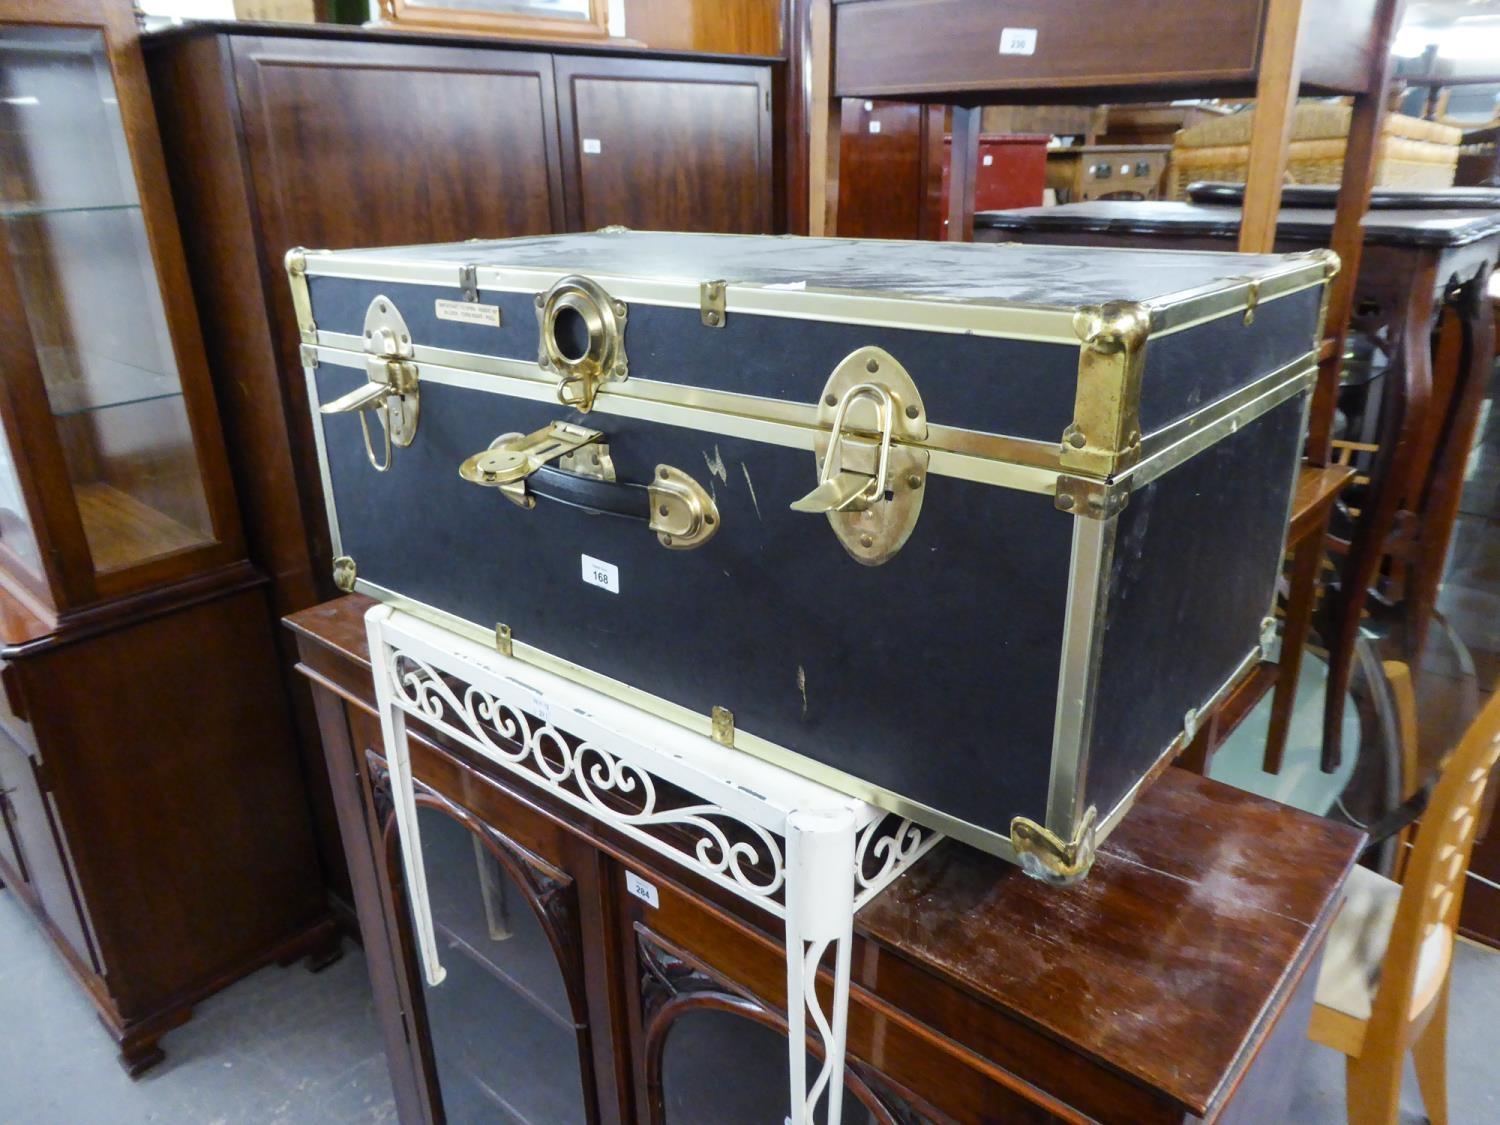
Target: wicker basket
{"type": "Point", "coordinates": [1412, 153]}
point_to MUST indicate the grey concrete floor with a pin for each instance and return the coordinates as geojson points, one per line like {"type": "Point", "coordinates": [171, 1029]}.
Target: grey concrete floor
{"type": "Point", "coordinates": [285, 1047]}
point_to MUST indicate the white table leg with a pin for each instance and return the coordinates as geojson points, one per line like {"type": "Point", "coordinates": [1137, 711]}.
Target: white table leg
{"type": "Point", "coordinates": [819, 913]}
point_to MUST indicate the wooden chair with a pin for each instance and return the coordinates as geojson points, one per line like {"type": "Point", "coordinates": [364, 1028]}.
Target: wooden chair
{"type": "Point", "coordinates": [1383, 989]}
{"type": "Point", "coordinates": [1398, 675]}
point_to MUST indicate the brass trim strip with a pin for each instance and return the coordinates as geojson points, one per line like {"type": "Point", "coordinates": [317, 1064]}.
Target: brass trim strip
{"type": "Point", "coordinates": [994, 842]}
{"type": "Point", "coordinates": [1038, 479]}
{"type": "Point", "coordinates": [1108, 822]}
{"type": "Point", "coordinates": [1078, 672]}
{"type": "Point", "coordinates": [296, 272]}
{"type": "Point", "coordinates": [335, 540]}
{"type": "Point", "coordinates": [1190, 436]}
{"type": "Point", "coordinates": [977, 443]}
{"type": "Point", "coordinates": [1172, 312]}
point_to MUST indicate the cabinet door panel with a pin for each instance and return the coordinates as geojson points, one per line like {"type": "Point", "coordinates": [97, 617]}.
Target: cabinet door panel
{"type": "Point", "coordinates": [666, 146]}
{"type": "Point", "coordinates": [354, 144]}
{"type": "Point", "coordinates": [45, 865]}
{"type": "Point", "coordinates": [507, 1029]}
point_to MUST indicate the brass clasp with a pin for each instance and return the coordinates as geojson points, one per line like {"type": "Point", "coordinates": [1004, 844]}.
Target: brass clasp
{"type": "Point", "coordinates": [391, 390]}
{"type": "Point", "coordinates": [871, 469]}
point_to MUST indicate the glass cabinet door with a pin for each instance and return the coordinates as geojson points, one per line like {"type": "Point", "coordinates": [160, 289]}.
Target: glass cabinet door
{"type": "Point", "coordinates": [77, 242]}
{"type": "Point", "coordinates": [507, 1026]}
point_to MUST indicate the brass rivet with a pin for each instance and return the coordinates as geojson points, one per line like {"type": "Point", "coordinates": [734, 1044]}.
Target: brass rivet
{"type": "Point", "coordinates": [709, 520]}
{"type": "Point", "coordinates": [912, 412]}
{"type": "Point", "coordinates": [1064, 501]}
{"type": "Point", "coordinates": [872, 365]}
{"type": "Point", "coordinates": [866, 541]}
{"type": "Point", "coordinates": [405, 339]}
{"type": "Point", "coordinates": [713, 318]}
{"type": "Point", "coordinates": [661, 510]}
{"type": "Point", "coordinates": [665, 473]}
{"type": "Point", "coordinates": [914, 481]}
{"type": "Point", "coordinates": [667, 540]}
{"type": "Point", "coordinates": [1077, 440]}
{"type": "Point", "coordinates": [538, 300]}
{"type": "Point", "coordinates": [382, 306]}
{"type": "Point", "coordinates": [595, 459]}
{"type": "Point", "coordinates": [830, 400]}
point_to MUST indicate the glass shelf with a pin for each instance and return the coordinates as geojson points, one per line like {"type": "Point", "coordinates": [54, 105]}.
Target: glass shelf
{"type": "Point", "coordinates": [81, 383]}
{"type": "Point", "coordinates": [10, 211]}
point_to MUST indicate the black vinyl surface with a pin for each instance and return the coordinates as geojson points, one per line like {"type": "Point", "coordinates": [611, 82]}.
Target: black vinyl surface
{"type": "Point", "coordinates": [933, 676]}
{"type": "Point", "coordinates": [1196, 557]}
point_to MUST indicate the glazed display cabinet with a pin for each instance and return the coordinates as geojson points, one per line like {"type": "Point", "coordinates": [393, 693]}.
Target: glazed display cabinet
{"type": "Point", "coordinates": [152, 814]}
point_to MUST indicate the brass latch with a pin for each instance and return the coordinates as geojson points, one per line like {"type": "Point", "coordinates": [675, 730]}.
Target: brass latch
{"type": "Point", "coordinates": [869, 486]}
{"type": "Point", "coordinates": [391, 390]}
{"type": "Point", "coordinates": [511, 458]}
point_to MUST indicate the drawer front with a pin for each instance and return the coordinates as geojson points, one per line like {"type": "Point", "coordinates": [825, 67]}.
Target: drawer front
{"type": "Point", "coordinates": [901, 47]}
{"type": "Point", "coordinates": [31, 818]}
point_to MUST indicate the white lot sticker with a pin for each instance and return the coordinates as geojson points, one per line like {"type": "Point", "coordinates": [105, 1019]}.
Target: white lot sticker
{"type": "Point", "coordinates": [605, 575]}
{"type": "Point", "coordinates": [591, 146]}
{"type": "Point", "coordinates": [1018, 41]}
{"type": "Point", "coordinates": [874, 126]}
{"type": "Point", "coordinates": [641, 889]}
{"type": "Point", "coordinates": [468, 312]}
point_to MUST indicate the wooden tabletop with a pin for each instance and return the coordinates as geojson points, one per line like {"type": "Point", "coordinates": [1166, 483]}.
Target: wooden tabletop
{"type": "Point", "coordinates": [1202, 909]}
{"type": "Point", "coordinates": [1168, 963]}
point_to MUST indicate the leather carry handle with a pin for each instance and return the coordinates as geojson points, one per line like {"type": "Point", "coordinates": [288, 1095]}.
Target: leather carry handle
{"type": "Point", "coordinates": [673, 505]}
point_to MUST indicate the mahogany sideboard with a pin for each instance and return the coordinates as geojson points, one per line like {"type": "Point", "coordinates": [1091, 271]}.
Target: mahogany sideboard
{"type": "Point", "coordinates": [294, 135]}
{"type": "Point", "coordinates": [1174, 983]}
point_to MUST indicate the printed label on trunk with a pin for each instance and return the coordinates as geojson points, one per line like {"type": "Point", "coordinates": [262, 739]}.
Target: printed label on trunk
{"type": "Point", "coordinates": [1018, 41]}
{"type": "Point", "coordinates": [468, 312]}
{"type": "Point", "coordinates": [605, 575]}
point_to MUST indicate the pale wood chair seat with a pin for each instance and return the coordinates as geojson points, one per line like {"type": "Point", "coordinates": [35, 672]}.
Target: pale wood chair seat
{"type": "Point", "coordinates": [1357, 943]}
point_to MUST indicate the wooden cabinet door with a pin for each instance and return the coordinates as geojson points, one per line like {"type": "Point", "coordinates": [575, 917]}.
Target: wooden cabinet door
{"type": "Point", "coordinates": [666, 145]}
{"type": "Point", "coordinates": [43, 861]}
{"type": "Point", "coordinates": [368, 144]}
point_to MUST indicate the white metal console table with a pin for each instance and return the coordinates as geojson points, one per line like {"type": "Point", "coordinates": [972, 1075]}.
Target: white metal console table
{"type": "Point", "coordinates": [797, 849]}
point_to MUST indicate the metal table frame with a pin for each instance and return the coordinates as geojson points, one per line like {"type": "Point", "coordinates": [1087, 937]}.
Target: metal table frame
{"type": "Point", "coordinates": [801, 851]}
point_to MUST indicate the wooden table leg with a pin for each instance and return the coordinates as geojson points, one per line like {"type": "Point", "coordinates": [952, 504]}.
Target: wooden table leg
{"type": "Point", "coordinates": [1409, 383]}
{"type": "Point", "coordinates": [1271, 130]}
{"type": "Point", "coordinates": [825, 123]}
{"type": "Point", "coordinates": [1302, 598]}
{"type": "Point", "coordinates": [964, 173]}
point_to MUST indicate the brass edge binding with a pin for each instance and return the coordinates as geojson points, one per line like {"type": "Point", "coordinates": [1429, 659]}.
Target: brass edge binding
{"type": "Point", "coordinates": [1091, 499]}
{"type": "Point", "coordinates": [344, 572]}
{"type": "Point", "coordinates": [1105, 436]}
{"type": "Point", "coordinates": [1331, 266]}
{"type": "Point", "coordinates": [1044, 854]}
{"type": "Point", "coordinates": [296, 271]}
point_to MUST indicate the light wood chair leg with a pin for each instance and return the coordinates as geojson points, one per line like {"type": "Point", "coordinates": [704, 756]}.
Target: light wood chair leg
{"type": "Point", "coordinates": [1430, 1053]}
{"type": "Point", "coordinates": [1372, 1085]}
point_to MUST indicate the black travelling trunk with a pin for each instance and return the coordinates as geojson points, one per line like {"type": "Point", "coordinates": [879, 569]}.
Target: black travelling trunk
{"type": "Point", "coordinates": [973, 532]}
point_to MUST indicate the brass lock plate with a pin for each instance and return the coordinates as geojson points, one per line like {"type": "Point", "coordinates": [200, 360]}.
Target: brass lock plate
{"type": "Point", "coordinates": [874, 531]}
{"type": "Point", "coordinates": [581, 331]}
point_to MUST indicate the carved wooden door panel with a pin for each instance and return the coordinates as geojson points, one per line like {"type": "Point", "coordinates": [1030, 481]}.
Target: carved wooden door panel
{"type": "Point", "coordinates": [506, 1032]}
{"type": "Point", "coordinates": [715, 1053]}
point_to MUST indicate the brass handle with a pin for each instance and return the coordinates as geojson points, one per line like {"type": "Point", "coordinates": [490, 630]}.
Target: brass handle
{"type": "Point", "coordinates": [675, 506]}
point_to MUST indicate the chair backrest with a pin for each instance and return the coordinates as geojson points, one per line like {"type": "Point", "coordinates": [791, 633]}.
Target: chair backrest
{"type": "Point", "coordinates": [1421, 942]}
{"type": "Point", "coordinates": [1404, 698]}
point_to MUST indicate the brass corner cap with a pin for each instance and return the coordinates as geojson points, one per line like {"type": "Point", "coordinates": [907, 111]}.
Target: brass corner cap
{"type": "Point", "coordinates": [296, 260]}
{"type": "Point", "coordinates": [1329, 258]}
{"type": "Point", "coordinates": [1115, 326]}
{"type": "Point", "coordinates": [1046, 856]}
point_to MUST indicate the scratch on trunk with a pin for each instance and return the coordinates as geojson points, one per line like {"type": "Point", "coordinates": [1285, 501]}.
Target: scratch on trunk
{"type": "Point", "coordinates": [751, 487]}
{"type": "Point", "coordinates": [802, 687]}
